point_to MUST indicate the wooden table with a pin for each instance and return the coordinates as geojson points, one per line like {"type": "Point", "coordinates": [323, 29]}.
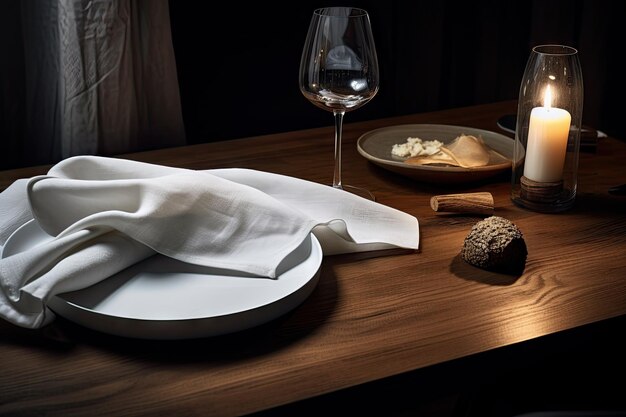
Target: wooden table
{"type": "Point", "coordinates": [369, 318]}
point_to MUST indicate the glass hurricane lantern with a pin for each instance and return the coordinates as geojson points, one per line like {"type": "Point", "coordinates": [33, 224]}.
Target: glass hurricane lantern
{"type": "Point", "coordinates": [547, 135]}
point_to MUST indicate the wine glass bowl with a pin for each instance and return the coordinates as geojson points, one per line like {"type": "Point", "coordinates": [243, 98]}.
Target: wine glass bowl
{"type": "Point", "coordinates": [339, 69]}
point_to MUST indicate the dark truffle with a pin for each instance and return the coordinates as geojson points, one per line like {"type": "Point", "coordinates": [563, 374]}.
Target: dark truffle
{"type": "Point", "coordinates": [495, 244]}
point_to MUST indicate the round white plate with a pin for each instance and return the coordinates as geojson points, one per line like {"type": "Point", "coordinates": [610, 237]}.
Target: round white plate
{"type": "Point", "coordinates": [376, 146]}
{"type": "Point", "coordinates": [162, 298]}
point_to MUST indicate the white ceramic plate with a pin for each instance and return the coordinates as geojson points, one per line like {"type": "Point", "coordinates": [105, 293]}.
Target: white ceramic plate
{"type": "Point", "coordinates": [161, 298]}
{"type": "Point", "coordinates": [376, 147]}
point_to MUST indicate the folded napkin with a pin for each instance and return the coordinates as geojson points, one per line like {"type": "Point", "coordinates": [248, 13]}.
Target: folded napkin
{"type": "Point", "coordinates": [107, 214]}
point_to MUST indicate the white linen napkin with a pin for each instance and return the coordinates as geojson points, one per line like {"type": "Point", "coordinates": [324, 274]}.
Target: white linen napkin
{"type": "Point", "coordinates": [107, 214]}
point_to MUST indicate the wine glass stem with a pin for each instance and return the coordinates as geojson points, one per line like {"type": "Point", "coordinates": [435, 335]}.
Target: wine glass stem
{"type": "Point", "coordinates": [338, 131]}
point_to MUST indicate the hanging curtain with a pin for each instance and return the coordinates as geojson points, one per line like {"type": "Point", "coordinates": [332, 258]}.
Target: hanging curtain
{"type": "Point", "coordinates": [99, 77]}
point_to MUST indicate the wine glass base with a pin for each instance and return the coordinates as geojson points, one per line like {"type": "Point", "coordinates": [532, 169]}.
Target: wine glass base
{"type": "Point", "coordinates": [361, 192]}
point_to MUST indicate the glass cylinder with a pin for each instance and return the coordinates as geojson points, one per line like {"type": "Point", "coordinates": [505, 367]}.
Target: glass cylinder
{"type": "Point", "coordinates": [547, 135]}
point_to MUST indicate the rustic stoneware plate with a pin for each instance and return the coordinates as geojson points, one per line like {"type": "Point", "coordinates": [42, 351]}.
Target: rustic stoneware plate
{"type": "Point", "coordinates": [376, 147]}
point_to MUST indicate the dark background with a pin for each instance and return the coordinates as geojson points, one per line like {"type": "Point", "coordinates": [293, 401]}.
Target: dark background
{"type": "Point", "coordinates": [238, 66]}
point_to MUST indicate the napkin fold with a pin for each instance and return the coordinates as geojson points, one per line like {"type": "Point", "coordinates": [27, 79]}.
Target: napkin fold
{"type": "Point", "coordinates": [107, 214]}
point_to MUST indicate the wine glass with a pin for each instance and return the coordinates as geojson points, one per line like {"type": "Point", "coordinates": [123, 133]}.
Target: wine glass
{"type": "Point", "coordinates": [339, 70]}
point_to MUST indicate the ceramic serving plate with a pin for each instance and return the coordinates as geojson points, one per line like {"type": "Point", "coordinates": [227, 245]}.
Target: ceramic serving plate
{"type": "Point", "coordinates": [376, 146]}
{"type": "Point", "coordinates": [162, 298]}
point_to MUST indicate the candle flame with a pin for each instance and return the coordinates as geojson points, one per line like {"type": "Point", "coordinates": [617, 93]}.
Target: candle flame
{"type": "Point", "coordinates": [547, 98]}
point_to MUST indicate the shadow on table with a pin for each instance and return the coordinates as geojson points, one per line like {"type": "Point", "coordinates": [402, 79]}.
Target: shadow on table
{"type": "Point", "coordinates": [598, 204]}
{"type": "Point", "coordinates": [63, 336]}
{"type": "Point", "coordinates": [579, 369]}
{"type": "Point", "coordinates": [468, 272]}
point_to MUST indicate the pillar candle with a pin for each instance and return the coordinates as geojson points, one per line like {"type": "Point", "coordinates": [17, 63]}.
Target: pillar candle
{"type": "Point", "coordinates": [547, 142]}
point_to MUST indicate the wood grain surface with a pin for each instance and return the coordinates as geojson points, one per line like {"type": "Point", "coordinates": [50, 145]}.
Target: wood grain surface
{"type": "Point", "coordinates": [370, 317]}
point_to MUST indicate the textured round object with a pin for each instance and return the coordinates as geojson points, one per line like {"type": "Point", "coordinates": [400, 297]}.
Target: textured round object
{"type": "Point", "coordinates": [495, 244]}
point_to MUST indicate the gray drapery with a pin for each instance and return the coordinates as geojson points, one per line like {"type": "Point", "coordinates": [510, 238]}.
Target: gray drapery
{"type": "Point", "coordinates": [97, 77]}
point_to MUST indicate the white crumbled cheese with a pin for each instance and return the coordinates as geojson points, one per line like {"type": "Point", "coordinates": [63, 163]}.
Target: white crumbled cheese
{"type": "Point", "coordinates": [416, 147]}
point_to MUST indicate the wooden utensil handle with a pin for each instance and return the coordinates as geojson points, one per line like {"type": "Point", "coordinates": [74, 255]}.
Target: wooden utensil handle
{"type": "Point", "coordinates": [481, 203]}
